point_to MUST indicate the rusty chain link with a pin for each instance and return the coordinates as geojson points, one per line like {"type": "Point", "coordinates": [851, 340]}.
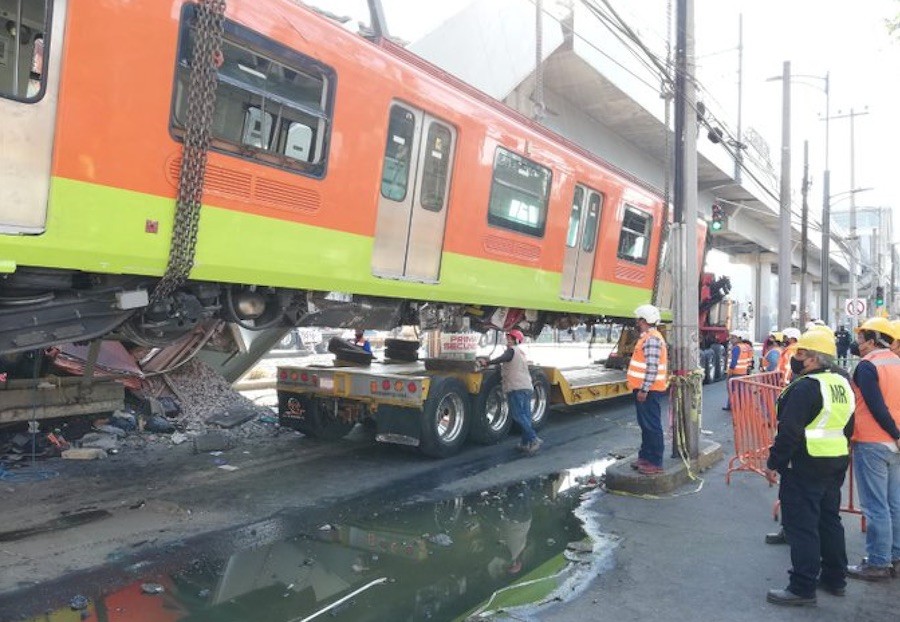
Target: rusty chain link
{"type": "Point", "coordinates": [205, 59]}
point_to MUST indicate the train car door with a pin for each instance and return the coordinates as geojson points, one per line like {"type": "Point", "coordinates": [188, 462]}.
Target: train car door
{"type": "Point", "coordinates": [581, 244]}
{"type": "Point", "coordinates": [412, 206]}
{"type": "Point", "coordinates": [29, 46]}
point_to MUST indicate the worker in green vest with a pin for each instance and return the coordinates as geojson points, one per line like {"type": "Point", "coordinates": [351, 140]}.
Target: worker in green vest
{"type": "Point", "coordinates": [811, 456]}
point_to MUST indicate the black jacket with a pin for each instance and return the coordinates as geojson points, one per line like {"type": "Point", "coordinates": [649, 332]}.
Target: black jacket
{"type": "Point", "coordinates": [798, 405]}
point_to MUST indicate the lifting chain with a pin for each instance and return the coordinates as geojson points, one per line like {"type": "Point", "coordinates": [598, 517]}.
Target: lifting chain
{"type": "Point", "coordinates": [205, 61]}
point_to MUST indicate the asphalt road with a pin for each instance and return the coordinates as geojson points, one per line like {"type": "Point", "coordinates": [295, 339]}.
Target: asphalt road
{"type": "Point", "coordinates": [151, 507]}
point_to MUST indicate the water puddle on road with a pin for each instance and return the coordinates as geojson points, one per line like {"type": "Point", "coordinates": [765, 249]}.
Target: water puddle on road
{"type": "Point", "coordinates": [460, 559]}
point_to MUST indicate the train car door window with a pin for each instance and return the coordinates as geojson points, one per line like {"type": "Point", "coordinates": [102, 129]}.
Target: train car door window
{"type": "Point", "coordinates": [31, 44]}
{"type": "Point", "coordinates": [581, 244]}
{"type": "Point", "coordinates": [634, 240]}
{"type": "Point", "coordinates": [23, 28]}
{"type": "Point", "coordinates": [273, 104]}
{"type": "Point", "coordinates": [519, 194]}
{"type": "Point", "coordinates": [415, 177]}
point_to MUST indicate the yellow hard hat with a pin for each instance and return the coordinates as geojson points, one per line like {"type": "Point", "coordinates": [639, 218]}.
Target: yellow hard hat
{"type": "Point", "coordinates": [896, 325]}
{"type": "Point", "coordinates": [818, 340]}
{"type": "Point", "coordinates": [778, 335]}
{"type": "Point", "coordinates": [823, 328]}
{"type": "Point", "coordinates": [879, 325]}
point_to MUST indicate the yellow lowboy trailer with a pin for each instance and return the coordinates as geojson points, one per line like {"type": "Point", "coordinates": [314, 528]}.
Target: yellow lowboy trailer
{"type": "Point", "coordinates": [433, 409]}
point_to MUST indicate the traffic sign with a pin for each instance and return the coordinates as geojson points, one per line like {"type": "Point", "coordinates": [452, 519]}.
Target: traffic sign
{"type": "Point", "coordinates": [855, 307]}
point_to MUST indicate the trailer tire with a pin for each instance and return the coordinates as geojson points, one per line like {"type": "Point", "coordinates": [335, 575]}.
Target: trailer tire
{"type": "Point", "coordinates": [490, 412]}
{"type": "Point", "coordinates": [445, 418]}
{"type": "Point", "coordinates": [540, 399]}
{"type": "Point", "coordinates": [321, 422]}
{"type": "Point", "coordinates": [708, 362]}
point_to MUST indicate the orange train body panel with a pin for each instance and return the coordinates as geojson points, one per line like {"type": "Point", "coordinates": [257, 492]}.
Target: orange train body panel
{"type": "Point", "coordinates": [115, 111]}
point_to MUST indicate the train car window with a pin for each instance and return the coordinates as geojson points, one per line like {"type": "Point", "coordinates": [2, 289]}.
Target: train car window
{"type": "Point", "coordinates": [519, 194]}
{"type": "Point", "coordinates": [398, 153]}
{"type": "Point", "coordinates": [589, 237]}
{"type": "Point", "coordinates": [634, 241]}
{"type": "Point", "coordinates": [273, 104]}
{"type": "Point", "coordinates": [436, 167]}
{"type": "Point", "coordinates": [23, 29]}
{"type": "Point", "coordinates": [575, 218]}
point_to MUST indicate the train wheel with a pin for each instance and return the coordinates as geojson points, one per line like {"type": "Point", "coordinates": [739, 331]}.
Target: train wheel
{"type": "Point", "coordinates": [445, 418]}
{"type": "Point", "coordinates": [490, 413]}
{"type": "Point", "coordinates": [540, 399]}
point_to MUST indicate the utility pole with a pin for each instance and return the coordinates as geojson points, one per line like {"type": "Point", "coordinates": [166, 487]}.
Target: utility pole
{"type": "Point", "coordinates": [804, 235]}
{"type": "Point", "coordinates": [853, 241]}
{"type": "Point", "coordinates": [784, 242]}
{"type": "Point", "coordinates": [825, 310]}
{"type": "Point", "coordinates": [687, 389]}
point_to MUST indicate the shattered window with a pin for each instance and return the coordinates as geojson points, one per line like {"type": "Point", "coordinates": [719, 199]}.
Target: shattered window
{"type": "Point", "coordinates": [273, 104]}
{"type": "Point", "coordinates": [634, 241]}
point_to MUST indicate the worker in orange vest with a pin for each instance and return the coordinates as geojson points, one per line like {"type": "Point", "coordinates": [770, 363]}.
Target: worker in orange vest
{"type": "Point", "coordinates": [791, 335]}
{"type": "Point", "coordinates": [876, 448]}
{"type": "Point", "coordinates": [741, 360]}
{"type": "Point", "coordinates": [647, 377]}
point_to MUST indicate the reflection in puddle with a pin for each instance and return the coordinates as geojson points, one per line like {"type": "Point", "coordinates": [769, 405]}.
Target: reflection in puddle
{"type": "Point", "coordinates": [461, 557]}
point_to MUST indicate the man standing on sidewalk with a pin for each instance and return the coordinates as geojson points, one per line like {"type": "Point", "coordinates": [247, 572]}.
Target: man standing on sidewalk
{"type": "Point", "coordinates": [811, 454]}
{"type": "Point", "coordinates": [647, 378]}
{"type": "Point", "coordinates": [876, 448]}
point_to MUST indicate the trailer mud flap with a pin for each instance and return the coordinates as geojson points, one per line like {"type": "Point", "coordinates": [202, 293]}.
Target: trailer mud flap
{"type": "Point", "coordinates": [398, 425]}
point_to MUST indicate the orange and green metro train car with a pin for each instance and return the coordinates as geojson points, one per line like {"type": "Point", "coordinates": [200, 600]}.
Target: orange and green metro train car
{"type": "Point", "coordinates": [337, 163]}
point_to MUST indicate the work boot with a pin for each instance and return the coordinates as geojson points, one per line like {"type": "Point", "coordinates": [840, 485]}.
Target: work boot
{"type": "Point", "coordinates": [637, 464]}
{"type": "Point", "coordinates": [779, 537]}
{"type": "Point", "coordinates": [789, 599]}
{"type": "Point", "coordinates": [867, 572]}
{"type": "Point", "coordinates": [533, 447]}
{"type": "Point", "coordinates": [650, 469]}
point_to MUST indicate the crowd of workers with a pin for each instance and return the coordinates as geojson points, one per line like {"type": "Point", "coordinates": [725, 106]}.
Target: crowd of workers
{"type": "Point", "coordinates": [826, 417]}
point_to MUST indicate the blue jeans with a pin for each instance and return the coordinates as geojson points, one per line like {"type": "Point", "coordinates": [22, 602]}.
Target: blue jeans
{"type": "Point", "coordinates": [520, 411]}
{"type": "Point", "coordinates": [877, 471]}
{"type": "Point", "coordinates": [649, 417]}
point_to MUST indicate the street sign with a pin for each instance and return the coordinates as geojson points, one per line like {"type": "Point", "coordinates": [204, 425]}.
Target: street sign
{"type": "Point", "coordinates": [855, 307]}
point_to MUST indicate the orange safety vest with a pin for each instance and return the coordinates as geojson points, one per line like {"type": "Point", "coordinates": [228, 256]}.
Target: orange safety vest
{"type": "Point", "coordinates": [784, 362]}
{"type": "Point", "coordinates": [745, 357]}
{"type": "Point", "coordinates": [865, 428]}
{"type": "Point", "coordinates": [637, 368]}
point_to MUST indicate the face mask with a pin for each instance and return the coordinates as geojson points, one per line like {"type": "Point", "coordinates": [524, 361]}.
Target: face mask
{"type": "Point", "coordinates": [796, 366]}
{"type": "Point", "coordinates": [854, 348]}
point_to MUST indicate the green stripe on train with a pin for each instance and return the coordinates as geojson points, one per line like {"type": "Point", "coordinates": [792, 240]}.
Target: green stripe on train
{"type": "Point", "coordinates": [102, 229]}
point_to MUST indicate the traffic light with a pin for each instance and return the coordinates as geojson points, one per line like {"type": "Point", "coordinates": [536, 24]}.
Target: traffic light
{"type": "Point", "coordinates": [718, 218]}
{"type": "Point", "coordinates": [879, 296]}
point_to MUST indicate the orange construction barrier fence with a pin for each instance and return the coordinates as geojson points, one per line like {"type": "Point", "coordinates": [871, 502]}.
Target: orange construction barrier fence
{"type": "Point", "coordinates": [753, 400]}
{"type": "Point", "coordinates": [753, 408]}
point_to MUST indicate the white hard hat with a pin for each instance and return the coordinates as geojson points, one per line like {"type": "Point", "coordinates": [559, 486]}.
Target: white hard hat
{"type": "Point", "coordinates": [649, 313]}
{"type": "Point", "coordinates": [791, 333]}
